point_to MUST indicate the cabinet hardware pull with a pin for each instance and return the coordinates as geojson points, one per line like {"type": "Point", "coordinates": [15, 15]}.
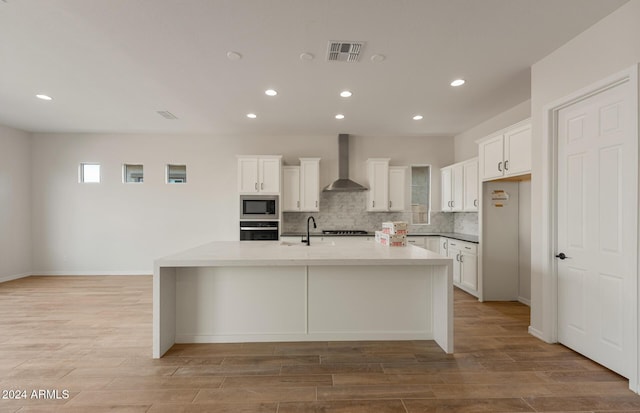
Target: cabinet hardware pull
{"type": "Point", "coordinates": [506, 165]}
{"type": "Point", "coordinates": [461, 258]}
{"type": "Point", "coordinates": [261, 185]}
{"type": "Point", "coordinates": [316, 204]}
{"type": "Point", "coordinates": [500, 166]}
{"type": "Point", "coordinates": [453, 204]}
{"type": "Point", "coordinates": [373, 204]}
{"type": "Point", "coordinates": [256, 186]}
{"type": "Point", "coordinates": [389, 204]}
{"type": "Point", "coordinates": [298, 202]}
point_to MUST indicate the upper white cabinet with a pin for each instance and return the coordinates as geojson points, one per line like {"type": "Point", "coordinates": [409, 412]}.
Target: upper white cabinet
{"type": "Point", "coordinates": [507, 153]}
{"type": "Point", "coordinates": [378, 171]}
{"type": "Point", "coordinates": [470, 185]}
{"type": "Point", "coordinates": [301, 186]}
{"type": "Point", "coordinates": [387, 186]}
{"type": "Point", "coordinates": [290, 188]}
{"type": "Point", "coordinates": [259, 174]}
{"type": "Point", "coordinates": [460, 186]}
{"type": "Point", "coordinates": [397, 187]}
{"type": "Point", "coordinates": [452, 190]}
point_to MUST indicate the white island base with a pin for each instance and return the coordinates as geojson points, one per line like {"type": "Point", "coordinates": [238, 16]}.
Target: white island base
{"type": "Point", "coordinates": [226, 292]}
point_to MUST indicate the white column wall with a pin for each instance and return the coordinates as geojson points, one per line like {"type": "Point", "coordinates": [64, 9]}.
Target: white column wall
{"type": "Point", "coordinates": [15, 203]}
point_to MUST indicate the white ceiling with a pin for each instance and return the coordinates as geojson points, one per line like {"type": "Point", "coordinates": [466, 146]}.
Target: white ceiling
{"type": "Point", "coordinates": [111, 64]}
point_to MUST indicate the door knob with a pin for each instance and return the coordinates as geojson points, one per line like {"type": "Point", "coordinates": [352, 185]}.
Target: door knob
{"type": "Point", "coordinates": [562, 256]}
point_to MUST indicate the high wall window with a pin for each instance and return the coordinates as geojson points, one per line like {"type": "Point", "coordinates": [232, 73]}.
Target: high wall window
{"type": "Point", "coordinates": [132, 173]}
{"type": "Point", "coordinates": [176, 174]}
{"type": "Point", "coordinates": [90, 172]}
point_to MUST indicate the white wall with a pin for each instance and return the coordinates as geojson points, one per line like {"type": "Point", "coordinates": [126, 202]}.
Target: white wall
{"type": "Point", "coordinates": [608, 47]}
{"type": "Point", "coordinates": [15, 204]}
{"type": "Point", "coordinates": [465, 146]}
{"type": "Point", "coordinates": [120, 228]}
{"type": "Point", "coordinates": [524, 242]}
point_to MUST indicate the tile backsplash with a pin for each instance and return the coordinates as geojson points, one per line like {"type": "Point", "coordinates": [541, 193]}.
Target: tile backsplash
{"type": "Point", "coordinates": [347, 210]}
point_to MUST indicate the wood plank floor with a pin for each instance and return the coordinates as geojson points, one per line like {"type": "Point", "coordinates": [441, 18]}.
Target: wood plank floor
{"type": "Point", "coordinates": [91, 336]}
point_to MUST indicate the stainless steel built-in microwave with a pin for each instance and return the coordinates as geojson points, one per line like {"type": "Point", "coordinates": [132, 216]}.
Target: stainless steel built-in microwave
{"type": "Point", "coordinates": [259, 207]}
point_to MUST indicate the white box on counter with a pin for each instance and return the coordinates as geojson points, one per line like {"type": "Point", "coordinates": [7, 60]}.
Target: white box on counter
{"type": "Point", "coordinates": [396, 227]}
{"type": "Point", "coordinates": [391, 240]}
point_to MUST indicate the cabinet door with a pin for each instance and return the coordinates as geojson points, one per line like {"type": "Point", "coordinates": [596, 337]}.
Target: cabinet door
{"type": "Point", "coordinates": [470, 197]}
{"type": "Point", "coordinates": [491, 158]}
{"type": "Point", "coordinates": [291, 188]}
{"type": "Point", "coordinates": [445, 186]}
{"type": "Point", "coordinates": [269, 174]}
{"type": "Point", "coordinates": [517, 148]}
{"type": "Point", "coordinates": [248, 175]}
{"type": "Point", "coordinates": [454, 253]}
{"type": "Point", "coordinates": [379, 185]}
{"type": "Point", "coordinates": [457, 189]}
{"type": "Point", "coordinates": [469, 271]}
{"type": "Point", "coordinates": [397, 188]}
{"type": "Point", "coordinates": [310, 185]}
{"type": "Point", "coordinates": [444, 246]}
{"type": "Point", "coordinates": [432, 244]}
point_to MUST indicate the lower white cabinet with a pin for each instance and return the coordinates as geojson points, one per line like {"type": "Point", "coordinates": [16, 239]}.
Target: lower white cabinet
{"type": "Point", "coordinates": [432, 244]}
{"type": "Point", "coordinates": [465, 264]}
{"type": "Point", "coordinates": [417, 241]}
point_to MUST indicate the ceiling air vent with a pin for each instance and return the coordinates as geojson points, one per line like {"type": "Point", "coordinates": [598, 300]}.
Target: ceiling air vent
{"type": "Point", "coordinates": [343, 51]}
{"type": "Point", "coordinates": [166, 114]}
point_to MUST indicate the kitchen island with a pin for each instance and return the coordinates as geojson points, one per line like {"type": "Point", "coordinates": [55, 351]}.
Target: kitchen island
{"type": "Point", "coordinates": [244, 291]}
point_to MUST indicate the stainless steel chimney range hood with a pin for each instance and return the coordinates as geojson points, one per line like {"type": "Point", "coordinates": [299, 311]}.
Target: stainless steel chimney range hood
{"type": "Point", "coordinates": [343, 183]}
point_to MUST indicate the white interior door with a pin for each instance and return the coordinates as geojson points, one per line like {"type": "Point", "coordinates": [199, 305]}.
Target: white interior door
{"type": "Point", "coordinates": [597, 227]}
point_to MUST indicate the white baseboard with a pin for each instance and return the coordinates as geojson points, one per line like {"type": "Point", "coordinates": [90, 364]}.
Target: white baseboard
{"type": "Point", "coordinates": [5, 278]}
{"type": "Point", "coordinates": [80, 273]}
{"type": "Point", "coordinates": [536, 333]}
{"type": "Point", "coordinates": [524, 301]}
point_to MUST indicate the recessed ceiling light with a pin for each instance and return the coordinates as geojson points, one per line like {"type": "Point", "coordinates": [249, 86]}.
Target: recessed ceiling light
{"type": "Point", "coordinates": [234, 56]}
{"type": "Point", "coordinates": [306, 56]}
{"type": "Point", "coordinates": [270, 92]}
{"type": "Point", "coordinates": [377, 58]}
{"type": "Point", "coordinates": [44, 97]}
{"type": "Point", "coordinates": [346, 94]}
{"type": "Point", "coordinates": [339, 116]}
{"type": "Point", "coordinates": [417, 117]}
{"type": "Point", "coordinates": [457, 82]}
{"type": "Point", "coordinates": [252, 115]}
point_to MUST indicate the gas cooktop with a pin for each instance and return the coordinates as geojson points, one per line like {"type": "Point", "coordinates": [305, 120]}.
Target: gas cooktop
{"type": "Point", "coordinates": [344, 232]}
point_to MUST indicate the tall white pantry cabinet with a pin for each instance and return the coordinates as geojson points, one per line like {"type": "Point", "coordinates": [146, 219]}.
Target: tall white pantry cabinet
{"type": "Point", "coordinates": [505, 172]}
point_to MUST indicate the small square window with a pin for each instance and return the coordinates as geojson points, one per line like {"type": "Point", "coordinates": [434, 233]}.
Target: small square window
{"type": "Point", "coordinates": [90, 172]}
{"type": "Point", "coordinates": [133, 173]}
{"type": "Point", "coordinates": [176, 174]}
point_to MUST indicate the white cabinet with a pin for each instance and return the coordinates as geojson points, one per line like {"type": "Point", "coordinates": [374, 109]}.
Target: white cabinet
{"type": "Point", "coordinates": [432, 244]}
{"type": "Point", "coordinates": [378, 171]}
{"type": "Point", "coordinates": [397, 187]}
{"type": "Point", "coordinates": [507, 153]}
{"type": "Point", "coordinates": [290, 188]}
{"type": "Point", "coordinates": [470, 186]}
{"type": "Point", "coordinates": [259, 174]}
{"type": "Point", "coordinates": [301, 186]}
{"type": "Point", "coordinates": [465, 264]}
{"type": "Point", "coordinates": [460, 186]}
{"type": "Point", "coordinates": [452, 190]}
{"type": "Point", "coordinates": [387, 186]}
{"type": "Point", "coordinates": [444, 246]}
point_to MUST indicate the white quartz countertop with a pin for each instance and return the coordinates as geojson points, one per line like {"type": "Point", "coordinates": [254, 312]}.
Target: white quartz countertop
{"type": "Point", "coordinates": [278, 253]}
